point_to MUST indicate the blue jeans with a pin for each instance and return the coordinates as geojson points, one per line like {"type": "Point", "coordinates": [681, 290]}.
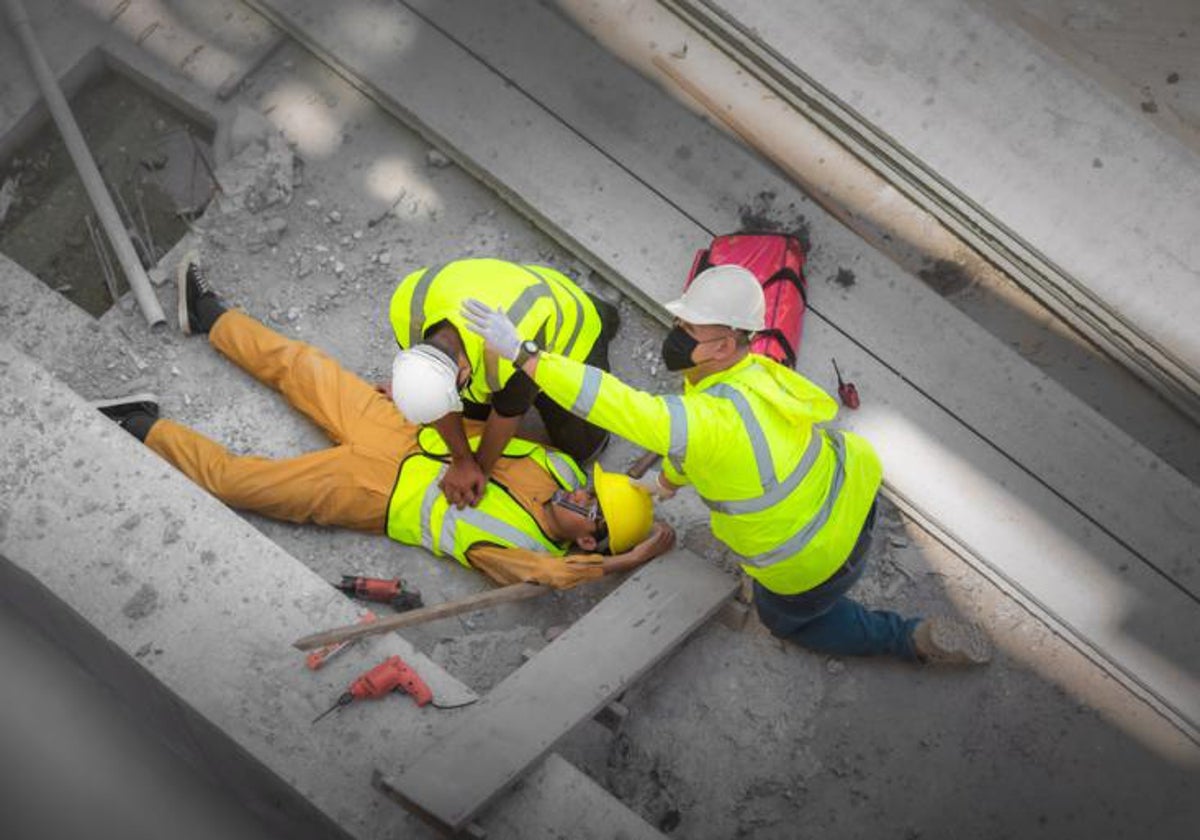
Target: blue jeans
{"type": "Point", "coordinates": [823, 619]}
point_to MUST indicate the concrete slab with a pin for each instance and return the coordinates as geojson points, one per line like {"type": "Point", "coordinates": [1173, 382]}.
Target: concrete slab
{"type": "Point", "coordinates": [210, 46]}
{"type": "Point", "coordinates": [187, 609]}
{"type": "Point", "coordinates": [1142, 50]}
{"type": "Point", "coordinates": [1027, 535]}
{"type": "Point", "coordinates": [1065, 165]}
{"type": "Point", "coordinates": [188, 613]}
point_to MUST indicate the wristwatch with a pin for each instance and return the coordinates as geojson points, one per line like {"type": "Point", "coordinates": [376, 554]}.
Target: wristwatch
{"type": "Point", "coordinates": [526, 351]}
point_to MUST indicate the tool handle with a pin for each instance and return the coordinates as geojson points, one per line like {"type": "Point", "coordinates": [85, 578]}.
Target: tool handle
{"type": "Point", "coordinates": [482, 600]}
{"type": "Point", "coordinates": [316, 659]}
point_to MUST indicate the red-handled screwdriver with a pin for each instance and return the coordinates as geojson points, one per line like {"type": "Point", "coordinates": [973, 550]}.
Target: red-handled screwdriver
{"type": "Point", "coordinates": [846, 390]}
{"type": "Point", "coordinates": [392, 674]}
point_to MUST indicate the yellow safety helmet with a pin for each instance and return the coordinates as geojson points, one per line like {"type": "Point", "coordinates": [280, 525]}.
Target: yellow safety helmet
{"type": "Point", "coordinates": [628, 509]}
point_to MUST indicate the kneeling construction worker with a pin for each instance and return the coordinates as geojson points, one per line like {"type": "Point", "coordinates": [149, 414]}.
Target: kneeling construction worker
{"type": "Point", "coordinates": [794, 501]}
{"type": "Point", "coordinates": [381, 475]}
{"type": "Point", "coordinates": [452, 376]}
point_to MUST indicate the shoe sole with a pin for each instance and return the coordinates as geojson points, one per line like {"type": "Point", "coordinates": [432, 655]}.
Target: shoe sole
{"type": "Point", "coordinates": [131, 399]}
{"type": "Point", "coordinates": [960, 642]}
{"type": "Point", "coordinates": [181, 308]}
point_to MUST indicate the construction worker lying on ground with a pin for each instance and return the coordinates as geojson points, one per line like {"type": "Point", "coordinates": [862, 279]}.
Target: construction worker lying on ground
{"type": "Point", "coordinates": [381, 474]}
{"type": "Point", "coordinates": [795, 502]}
{"type": "Point", "coordinates": [449, 375]}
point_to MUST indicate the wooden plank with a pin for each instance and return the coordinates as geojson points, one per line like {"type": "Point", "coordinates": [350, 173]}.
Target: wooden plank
{"type": "Point", "coordinates": [478, 601]}
{"type": "Point", "coordinates": [566, 682]}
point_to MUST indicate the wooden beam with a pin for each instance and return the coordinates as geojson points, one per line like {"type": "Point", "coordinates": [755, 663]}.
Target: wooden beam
{"type": "Point", "coordinates": [478, 601]}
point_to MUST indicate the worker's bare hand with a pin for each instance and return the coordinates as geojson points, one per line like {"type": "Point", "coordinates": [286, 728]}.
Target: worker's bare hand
{"type": "Point", "coordinates": [463, 483]}
{"type": "Point", "coordinates": [660, 540]}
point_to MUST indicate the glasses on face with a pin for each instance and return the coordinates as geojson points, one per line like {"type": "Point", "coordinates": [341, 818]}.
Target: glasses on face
{"type": "Point", "coordinates": [590, 512]}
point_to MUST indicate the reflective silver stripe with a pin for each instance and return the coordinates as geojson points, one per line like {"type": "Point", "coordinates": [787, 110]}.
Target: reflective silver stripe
{"type": "Point", "coordinates": [525, 301]}
{"type": "Point", "coordinates": [589, 389]}
{"type": "Point", "coordinates": [432, 492]}
{"type": "Point", "coordinates": [574, 295]}
{"type": "Point", "coordinates": [534, 293]}
{"type": "Point", "coordinates": [801, 538]}
{"type": "Point", "coordinates": [562, 468]}
{"type": "Point", "coordinates": [501, 530]}
{"type": "Point", "coordinates": [570, 345]}
{"type": "Point", "coordinates": [777, 491]}
{"type": "Point", "coordinates": [677, 451]}
{"type": "Point", "coordinates": [758, 439]}
{"type": "Point", "coordinates": [416, 305]}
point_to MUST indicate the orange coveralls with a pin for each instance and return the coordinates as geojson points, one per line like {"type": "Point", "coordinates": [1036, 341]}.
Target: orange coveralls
{"type": "Point", "coordinates": [350, 483]}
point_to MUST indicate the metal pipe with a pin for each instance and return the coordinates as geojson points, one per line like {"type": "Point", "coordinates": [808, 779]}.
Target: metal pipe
{"type": "Point", "coordinates": [106, 212]}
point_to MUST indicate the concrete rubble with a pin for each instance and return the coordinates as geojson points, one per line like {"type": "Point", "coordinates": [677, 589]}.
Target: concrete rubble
{"type": "Point", "coordinates": [326, 201]}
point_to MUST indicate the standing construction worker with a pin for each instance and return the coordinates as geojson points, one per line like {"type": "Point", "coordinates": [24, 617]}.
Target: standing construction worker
{"type": "Point", "coordinates": [794, 501]}
{"type": "Point", "coordinates": [381, 474]}
{"type": "Point", "coordinates": [454, 377]}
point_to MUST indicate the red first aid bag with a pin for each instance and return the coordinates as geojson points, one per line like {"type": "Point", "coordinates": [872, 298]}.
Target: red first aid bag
{"type": "Point", "coordinates": [777, 260]}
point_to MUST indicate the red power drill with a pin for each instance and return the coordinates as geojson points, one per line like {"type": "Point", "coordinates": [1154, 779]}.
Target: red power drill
{"type": "Point", "coordinates": [394, 592]}
{"type": "Point", "coordinates": [392, 674]}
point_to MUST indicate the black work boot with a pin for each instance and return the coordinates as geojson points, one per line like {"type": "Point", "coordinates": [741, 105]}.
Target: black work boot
{"type": "Point", "coordinates": [199, 306]}
{"type": "Point", "coordinates": [135, 413]}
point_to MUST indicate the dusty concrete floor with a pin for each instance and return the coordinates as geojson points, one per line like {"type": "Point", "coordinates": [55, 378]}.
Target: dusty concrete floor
{"type": "Point", "coordinates": [736, 735]}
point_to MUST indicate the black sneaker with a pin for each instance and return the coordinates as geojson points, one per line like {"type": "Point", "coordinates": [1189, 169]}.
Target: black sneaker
{"type": "Point", "coordinates": [135, 413]}
{"type": "Point", "coordinates": [199, 306]}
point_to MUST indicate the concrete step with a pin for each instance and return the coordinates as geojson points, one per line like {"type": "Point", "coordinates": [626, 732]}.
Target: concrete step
{"type": "Point", "coordinates": [1087, 187]}
{"type": "Point", "coordinates": [1039, 492]}
{"type": "Point", "coordinates": [562, 685]}
{"type": "Point", "coordinates": [187, 612]}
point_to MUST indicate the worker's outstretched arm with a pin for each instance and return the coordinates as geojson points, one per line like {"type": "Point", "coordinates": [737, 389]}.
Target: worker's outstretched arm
{"type": "Point", "coordinates": [655, 423]}
{"type": "Point", "coordinates": [520, 565]}
{"type": "Point", "coordinates": [464, 481]}
{"type": "Point", "coordinates": [651, 421]}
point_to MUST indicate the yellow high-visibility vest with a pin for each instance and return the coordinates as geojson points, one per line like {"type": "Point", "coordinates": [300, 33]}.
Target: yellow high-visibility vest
{"type": "Point", "coordinates": [545, 305]}
{"type": "Point", "coordinates": [418, 513]}
{"type": "Point", "coordinates": [788, 497]}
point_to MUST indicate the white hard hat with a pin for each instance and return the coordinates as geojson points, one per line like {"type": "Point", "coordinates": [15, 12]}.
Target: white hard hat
{"type": "Point", "coordinates": [425, 384]}
{"type": "Point", "coordinates": [724, 294]}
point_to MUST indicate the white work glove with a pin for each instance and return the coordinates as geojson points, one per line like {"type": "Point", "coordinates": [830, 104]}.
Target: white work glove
{"type": "Point", "coordinates": [650, 482]}
{"type": "Point", "coordinates": [494, 327]}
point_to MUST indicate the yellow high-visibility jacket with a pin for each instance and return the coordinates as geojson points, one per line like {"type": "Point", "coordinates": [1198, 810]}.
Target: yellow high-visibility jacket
{"type": "Point", "coordinates": [545, 305]}
{"type": "Point", "coordinates": [419, 514]}
{"type": "Point", "coordinates": [788, 497]}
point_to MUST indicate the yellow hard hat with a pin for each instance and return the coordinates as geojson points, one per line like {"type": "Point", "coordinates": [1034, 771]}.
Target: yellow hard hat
{"type": "Point", "coordinates": [628, 509]}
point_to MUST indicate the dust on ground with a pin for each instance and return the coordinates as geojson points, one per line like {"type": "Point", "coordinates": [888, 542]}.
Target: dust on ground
{"type": "Point", "coordinates": [737, 734]}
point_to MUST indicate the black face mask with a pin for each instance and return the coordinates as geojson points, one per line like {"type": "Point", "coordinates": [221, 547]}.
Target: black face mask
{"type": "Point", "coordinates": [677, 349]}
